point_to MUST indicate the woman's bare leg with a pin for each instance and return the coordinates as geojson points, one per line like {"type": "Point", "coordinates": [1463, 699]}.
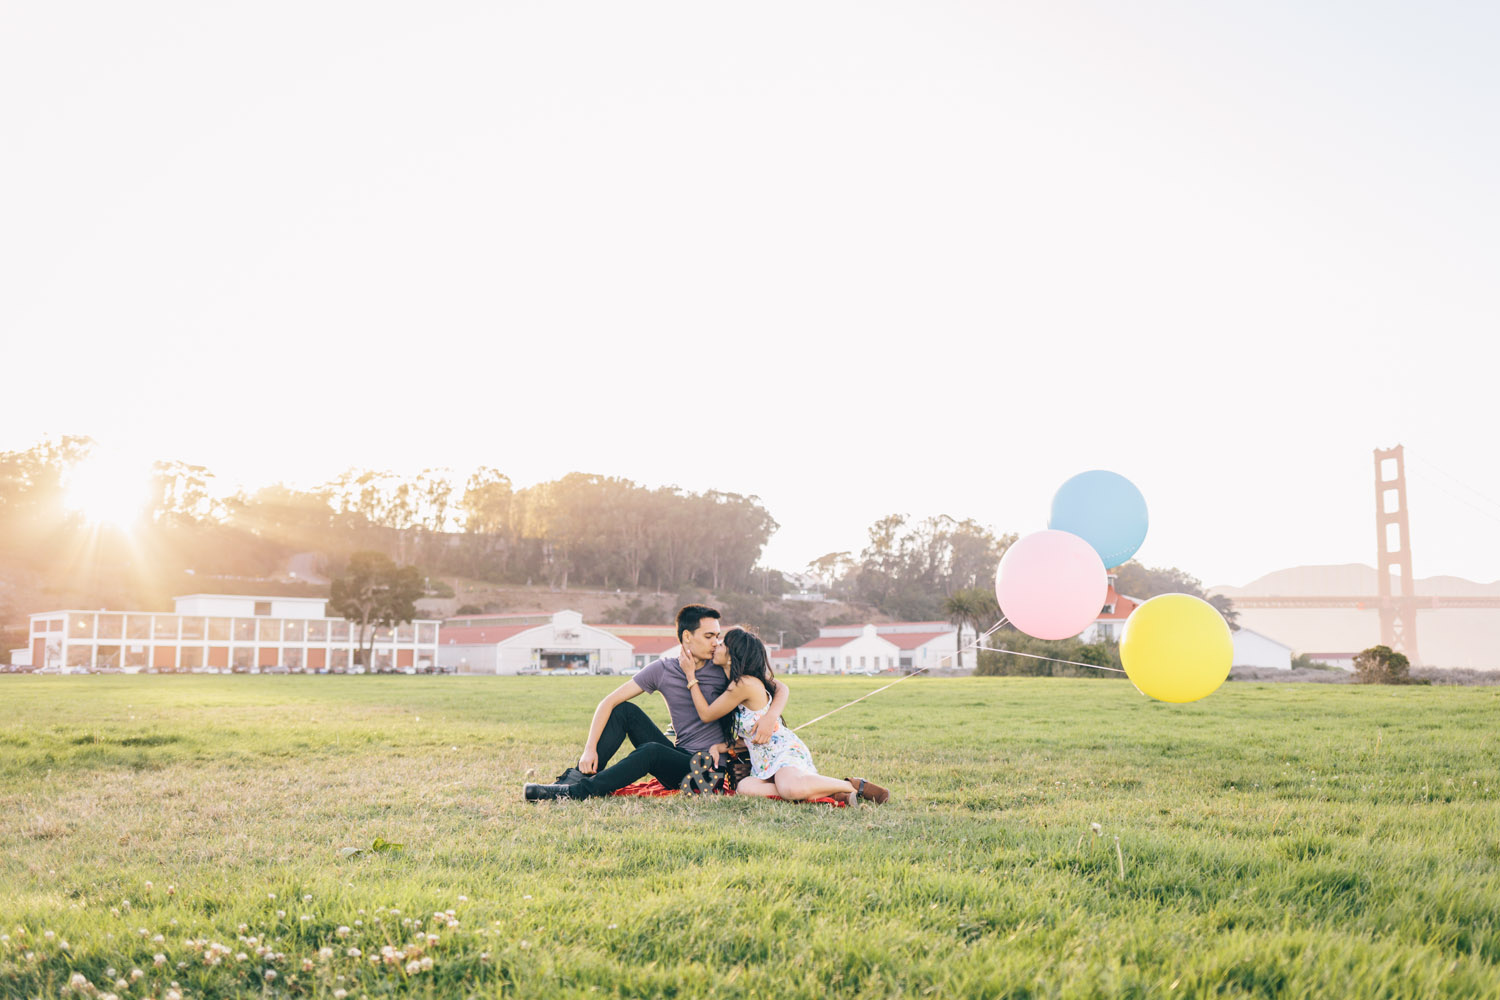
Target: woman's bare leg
{"type": "Point", "coordinates": [758, 787]}
{"type": "Point", "coordinates": [796, 785]}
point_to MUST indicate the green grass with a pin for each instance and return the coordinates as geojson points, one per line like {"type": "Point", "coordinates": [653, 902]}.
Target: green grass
{"type": "Point", "coordinates": [1275, 841]}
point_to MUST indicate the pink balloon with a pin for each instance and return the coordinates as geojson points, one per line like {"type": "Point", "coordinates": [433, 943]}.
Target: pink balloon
{"type": "Point", "coordinates": [1051, 584]}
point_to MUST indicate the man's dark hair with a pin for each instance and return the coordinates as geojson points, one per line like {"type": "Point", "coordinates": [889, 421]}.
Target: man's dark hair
{"type": "Point", "coordinates": [689, 617]}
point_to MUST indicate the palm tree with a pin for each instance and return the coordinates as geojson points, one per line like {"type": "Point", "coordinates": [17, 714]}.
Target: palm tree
{"type": "Point", "coordinates": [974, 607]}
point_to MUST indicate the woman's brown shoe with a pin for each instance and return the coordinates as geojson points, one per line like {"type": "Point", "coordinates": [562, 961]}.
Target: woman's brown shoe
{"type": "Point", "coordinates": [869, 790]}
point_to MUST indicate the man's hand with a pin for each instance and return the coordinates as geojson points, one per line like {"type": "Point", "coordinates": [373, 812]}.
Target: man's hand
{"type": "Point", "coordinates": [589, 762]}
{"type": "Point", "coordinates": [764, 728]}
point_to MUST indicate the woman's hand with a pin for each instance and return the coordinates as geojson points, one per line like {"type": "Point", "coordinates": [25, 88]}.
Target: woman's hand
{"type": "Point", "coordinates": [718, 750]}
{"type": "Point", "coordinates": [764, 728]}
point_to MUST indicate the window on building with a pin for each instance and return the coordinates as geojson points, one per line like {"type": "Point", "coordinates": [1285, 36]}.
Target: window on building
{"type": "Point", "coordinates": [81, 626]}
{"type": "Point", "coordinates": [111, 627]}
{"type": "Point", "coordinates": [135, 656]}
{"type": "Point", "coordinates": [317, 630]}
{"type": "Point", "coordinates": [262, 608]}
{"type": "Point", "coordinates": [270, 629]}
{"type": "Point", "coordinates": [81, 656]}
{"type": "Point", "coordinates": [55, 625]}
{"type": "Point", "coordinates": [218, 629]}
{"type": "Point", "coordinates": [861, 662]}
{"type": "Point", "coordinates": [293, 631]}
{"type": "Point", "coordinates": [192, 627]}
{"type": "Point", "coordinates": [339, 631]}
{"type": "Point", "coordinates": [190, 659]}
{"type": "Point", "coordinates": [244, 659]}
{"type": "Point", "coordinates": [244, 630]}
{"type": "Point", "coordinates": [164, 627]}
{"type": "Point", "coordinates": [406, 632]}
{"type": "Point", "coordinates": [108, 657]}
{"type": "Point", "coordinates": [338, 660]}
{"type": "Point", "coordinates": [292, 659]}
{"type": "Point", "coordinates": [427, 633]}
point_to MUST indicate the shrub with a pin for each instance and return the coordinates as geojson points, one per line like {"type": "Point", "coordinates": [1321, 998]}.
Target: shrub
{"type": "Point", "coordinates": [468, 609]}
{"type": "Point", "coordinates": [1382, 665]}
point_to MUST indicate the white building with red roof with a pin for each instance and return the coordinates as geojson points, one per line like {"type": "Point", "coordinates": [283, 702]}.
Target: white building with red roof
{"type": "Point", "coordinates": [561, 643]}
{"type": "Point", "coordinates": [864, 652]}
{"type": "Point", "coordinates": [1111, 620]}
{"type": "Point", "coordinates": [919, 645]}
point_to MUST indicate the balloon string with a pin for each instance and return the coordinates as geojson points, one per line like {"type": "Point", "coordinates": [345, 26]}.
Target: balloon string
{"type": "Point", "coordinates": [1053, 659]}
{"type": "Point", "coordinates": [946, 656]}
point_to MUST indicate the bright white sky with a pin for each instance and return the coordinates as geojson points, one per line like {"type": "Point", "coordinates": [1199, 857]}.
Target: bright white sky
{"type": "Point", "coordinates": [854, 258]}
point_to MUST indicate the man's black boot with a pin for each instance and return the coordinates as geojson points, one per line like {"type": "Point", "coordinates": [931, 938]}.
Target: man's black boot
{"type": "Point", "coordinates": [534, 793]}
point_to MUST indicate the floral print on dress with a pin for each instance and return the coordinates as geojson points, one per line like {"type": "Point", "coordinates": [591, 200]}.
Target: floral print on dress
{"type": "Point", "coordinates": [786, 749]}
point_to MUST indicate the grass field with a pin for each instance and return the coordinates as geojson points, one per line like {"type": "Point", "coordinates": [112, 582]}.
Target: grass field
{"type": "Point", "coordinates": [1271, 841]}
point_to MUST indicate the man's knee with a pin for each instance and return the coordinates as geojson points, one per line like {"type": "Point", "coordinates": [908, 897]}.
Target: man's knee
{"type": "Point", "coordinates": [626, 712]}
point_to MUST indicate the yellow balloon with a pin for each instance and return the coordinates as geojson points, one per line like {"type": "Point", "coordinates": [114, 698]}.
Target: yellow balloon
{"type": "Point", "coordinates": [1176, 648]}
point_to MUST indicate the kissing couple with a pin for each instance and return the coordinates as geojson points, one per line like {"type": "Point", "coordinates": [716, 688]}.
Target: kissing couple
{"type": "Point", "coordinates": [719, 690]}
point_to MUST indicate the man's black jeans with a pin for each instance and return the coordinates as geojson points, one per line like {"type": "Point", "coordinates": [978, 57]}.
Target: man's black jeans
{"type": "Point", "coordinates": [654, 754]}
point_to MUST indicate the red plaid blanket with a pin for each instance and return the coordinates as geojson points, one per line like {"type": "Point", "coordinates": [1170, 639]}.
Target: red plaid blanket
{"type": "Point", "coordinates": [653, 788]}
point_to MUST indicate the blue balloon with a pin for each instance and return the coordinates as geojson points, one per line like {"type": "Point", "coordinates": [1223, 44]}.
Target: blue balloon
{"type": "Point", "coordinates": [1105, 510]}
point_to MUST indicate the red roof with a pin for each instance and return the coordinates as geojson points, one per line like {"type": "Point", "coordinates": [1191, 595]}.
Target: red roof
{"type": "Point", "coordinates": [1122, 606]}
{"type": "Point", "coordinates": [651, 644]}
{"type": "Point", "coordinates": [479, 635]}
{"type": "Point", "coordinates": [911, 640]}
{"type": "Point", "coordinates": [829, 640]}
{"type": "Point", "coordinates": [789, 653]}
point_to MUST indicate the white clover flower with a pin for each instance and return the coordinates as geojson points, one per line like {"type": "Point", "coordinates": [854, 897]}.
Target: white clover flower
{"type": "Point", "coordinates": [159, 960]}
{"type": "Point", "coordinates": [413, 967]}
{"type": "Point", "coordinates": [135, 975]}
{"type": "Point", "coordinates": [325, 953]}
{"type": "Point", "coordinates": [426, 964]}
{"type": "Point", "coordinates": [271, 896]}
{"type": "Point", "coordinates": [110, 972]}
{"type": "Point", "coordinates": [307, 965]}
{"type": "Point", "coordinates": [158, 939]}
{"type": "Point", "coordinates": [242, 928]}
{"type": "Point", "coordinates": [148, 886]}
{"type": "Point", "coordinates": [340, 994]}
{"type": "Point", "coordinates": [342, 932]}
{"type": "Point", "coordinates": [281, 913]}
{"type": "Point", "coordinates": [172, 995]}
{"type": "Point", "coordinates": [48, 935]}
{"type": "Point", "coordinates": [78, 981]}
{"type": "Point", "coordinates": [65, 946]}
{"type": "Point", "coordinates": [270, 974]}
{"type": "Point", "coordinates": [353, 953]}
{"type": "Point", "coordinates": [241, 957]}
{"type": "Point", "coordinates": [122, 984]}
{"type": "Point", "coordinates": [307, 897]}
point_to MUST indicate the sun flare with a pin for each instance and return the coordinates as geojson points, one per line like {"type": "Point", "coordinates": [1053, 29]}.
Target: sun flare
{"type": "Point", "coordinates": [108, 489]}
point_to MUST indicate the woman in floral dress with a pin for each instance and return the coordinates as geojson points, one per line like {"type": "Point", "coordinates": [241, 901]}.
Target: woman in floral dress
{"type": "Point", "coordinates": [784, 766]}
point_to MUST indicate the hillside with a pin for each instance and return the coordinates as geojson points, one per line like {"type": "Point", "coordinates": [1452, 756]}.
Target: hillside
{"type": "Point", "coordinates": [1445, 638]}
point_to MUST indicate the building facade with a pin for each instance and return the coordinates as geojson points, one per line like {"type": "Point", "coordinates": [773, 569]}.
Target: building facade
{"type": "Point", "coordinates": [219, 633]}
{"type": "Point", "coordinates": [864, 652]}
{"type": "Point", "coordinates": [561, 643]}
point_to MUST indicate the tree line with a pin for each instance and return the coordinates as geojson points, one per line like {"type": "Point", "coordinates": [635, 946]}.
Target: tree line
{"type": "Point", "coordinates": [581, 529]}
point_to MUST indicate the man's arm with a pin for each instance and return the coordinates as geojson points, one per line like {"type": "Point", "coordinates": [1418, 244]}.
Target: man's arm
{"type": "Point", "coordinates": [589, 762]}
{"type": "Point", "coordinates": [768, 722]}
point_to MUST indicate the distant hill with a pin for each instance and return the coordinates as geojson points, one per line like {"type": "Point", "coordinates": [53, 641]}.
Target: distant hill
{"type": "Point", "coordinates": [1350, 579]}
{"type": "Point", "coordinates": [1464, 638]}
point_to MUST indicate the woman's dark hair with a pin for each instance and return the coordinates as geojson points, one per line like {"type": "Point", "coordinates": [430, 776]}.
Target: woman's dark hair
{"type": "Point", "coordinates": [747, 658]}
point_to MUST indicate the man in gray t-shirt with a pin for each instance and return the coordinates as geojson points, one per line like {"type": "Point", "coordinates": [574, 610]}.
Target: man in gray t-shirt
{"type": "Point", "coordinates": [616, 719]}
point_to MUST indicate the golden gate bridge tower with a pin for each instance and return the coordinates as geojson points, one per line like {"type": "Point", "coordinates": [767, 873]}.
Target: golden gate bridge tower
{"type": "Point", "coordinates": [1398, 604]}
